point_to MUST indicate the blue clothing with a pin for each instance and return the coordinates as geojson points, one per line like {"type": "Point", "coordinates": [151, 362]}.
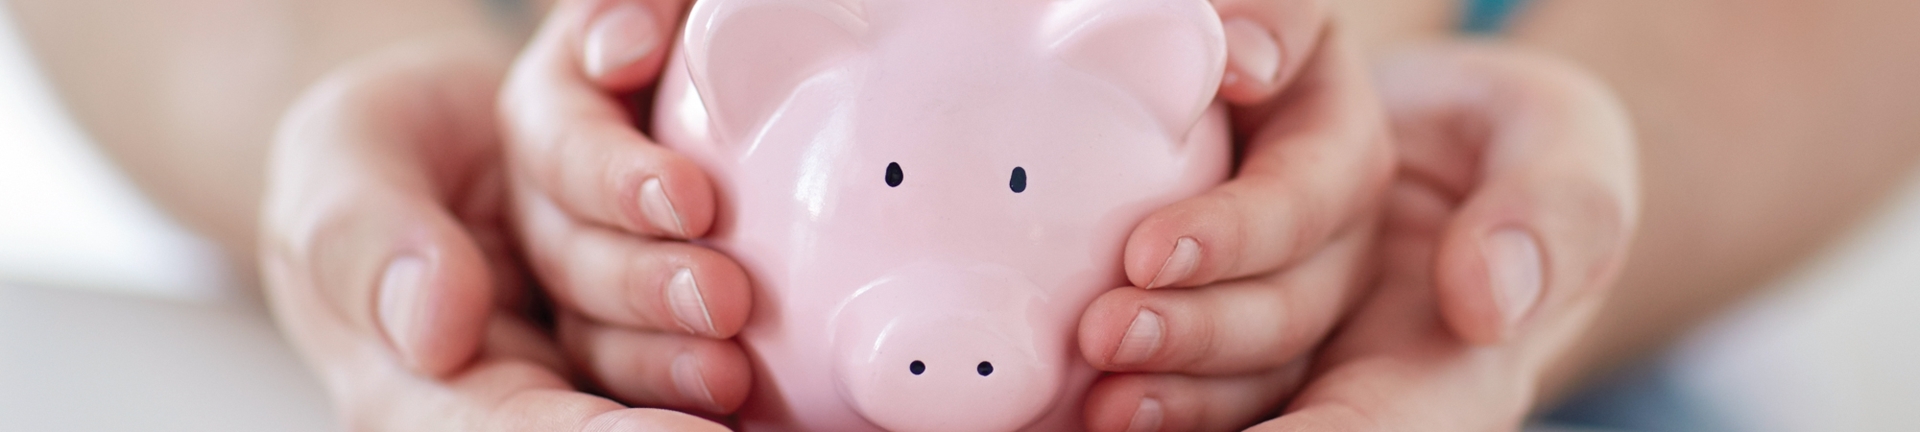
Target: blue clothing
{"type": "Point", "coordinates": [1488, 17]}
{"type": "Point", "coordinates": [1644, 397]}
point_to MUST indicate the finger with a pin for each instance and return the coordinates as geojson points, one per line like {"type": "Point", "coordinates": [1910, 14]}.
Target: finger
{"type": "Point", "coordinates": [351, 189]}
{"type": "Point", "coordinates": [622, 43]}
{"type": "Point", "coordinates": [575, 142]}
{"type": "Point", "coordinates": [1320, 163]}
{"type": "Point", "coordinates": [1226, 328]}
{"type": "Point", "coordinates": [513, 387]}
{"type": "Point", "coordinates": [659, 369]}
{"type": "Point", "coordinates": [640, 283]}
{"type": "Point", "coordinates": [1167, 402]}
{"type": "Point", "coordinates": [355, 215]}
{"type": "Point", "coordinates": [1555, 201]}
{"type": "Point", "coordinates": [1268, 43]}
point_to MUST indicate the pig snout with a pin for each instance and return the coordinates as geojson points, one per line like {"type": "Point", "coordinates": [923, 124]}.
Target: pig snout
{"type": "Point", "coordinates": [950, 375]}
{"type": "Point", "coordinates": [949, 350]}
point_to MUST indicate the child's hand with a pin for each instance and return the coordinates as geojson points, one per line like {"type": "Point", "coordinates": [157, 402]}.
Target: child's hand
{"type": "Point", "coordinates": [602, 212]}
{"type": "Point", "coordinates": [384, 254]}
{"type": "Point", "coordinates": [1517, 198]}
{"type": "Point", "coordinates": [1238, 284]}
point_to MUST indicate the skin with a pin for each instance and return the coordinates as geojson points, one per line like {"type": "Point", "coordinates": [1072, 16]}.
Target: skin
{"type": "Point", "coordinates": [1318, 155]}
{"type": "Point", "coordinates": [1492, 142]}
{"type": "Point", "coordinates": [354, 185]}
{"type": "Point", "coordinates": [1782, 117]}
{"type": "Point", "coordinates": [184, 94]}
{"type": "Point", "coordinates": [1719, 163]}
{"type": "Point", "coordinates": [577, 172]}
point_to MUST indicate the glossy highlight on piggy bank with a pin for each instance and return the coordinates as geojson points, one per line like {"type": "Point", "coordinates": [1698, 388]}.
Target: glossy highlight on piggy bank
{"type": "Point", "coordinates": [928, 193]}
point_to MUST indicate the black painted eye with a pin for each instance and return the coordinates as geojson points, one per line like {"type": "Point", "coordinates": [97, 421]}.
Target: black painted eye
{"type": "Point", "coordinates": [917, 367]}
{"type": "Point", "coordinates": [894, 176]}
{"type": "Point", "coordinates": [1018, 183]}
{"type": "Point", "coordinates": [985, 368]}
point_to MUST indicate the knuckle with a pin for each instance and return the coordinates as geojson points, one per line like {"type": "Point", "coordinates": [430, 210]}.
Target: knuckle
{"type": "Point", "coordinates": [541, 237]}
{"type": "Point", "coordinates": [315, 240]}
{"type": "Point", "coordinates": [1604, 223]}
{"type": "Point", "coordinates": [1305, 223]}
{"type": "Point", "coordinates": [1205, 335]}
{"type": "Point", "coordinates": [1563, 77]}
{"type": "Point", "coordinates": [1294, 329]}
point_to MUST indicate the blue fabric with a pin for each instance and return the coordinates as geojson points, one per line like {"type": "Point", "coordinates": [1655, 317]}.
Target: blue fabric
{"type": "Point", "coordinates": [1645, 397]}
{"type": "Point", "coordinates": [1488, 17]}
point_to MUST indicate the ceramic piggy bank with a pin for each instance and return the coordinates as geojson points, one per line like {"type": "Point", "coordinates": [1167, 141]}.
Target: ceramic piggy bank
{"type": "Point", "coordinates": [928, 193]}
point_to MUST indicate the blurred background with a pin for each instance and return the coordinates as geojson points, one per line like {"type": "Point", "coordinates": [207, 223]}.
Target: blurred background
{"type": "Point", "coordinates": [113, 317]}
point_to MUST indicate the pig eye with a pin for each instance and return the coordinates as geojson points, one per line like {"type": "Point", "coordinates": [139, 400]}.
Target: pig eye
{"type": "Point", "coordinates": [894, 176]}
{"type": "Point", "coordinates": [985, 368]}
{"type": "Point", "coordinates": [1019, 184]}
{"type": "Point", "coordinates": [917, 367]}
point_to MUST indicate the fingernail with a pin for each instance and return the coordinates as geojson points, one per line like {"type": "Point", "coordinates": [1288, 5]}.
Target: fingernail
{"type": "Point", "coordinates": [1252, 51]}
{"type": "Point", "coordinates": [1142, 339]}
{"type": "Point", "coordinates": [689, 307]}
{"type": "Point", "coordinates": [658, 209]}
{"type": "Point", "coordinates": [1514, 269]}
{"type": "Point", "coordinates": [401, 309]}
{"type": "Point", "coordinates": [1147, 417]}
{"type": "Point", "coordinates": [687, 378]}
{"type": "Point", "coordinates": [620, 36]}
{"type": "Point", "coordinates": [1186, 253]}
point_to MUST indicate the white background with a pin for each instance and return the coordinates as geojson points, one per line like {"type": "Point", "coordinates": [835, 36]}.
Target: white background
{"type": "Point", "coordinates": [113, 318]}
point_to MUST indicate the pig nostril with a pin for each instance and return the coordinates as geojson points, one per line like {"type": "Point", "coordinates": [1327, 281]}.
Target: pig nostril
{"type": "Point", "coordinates": [1018, 182]}
{"type": "Point", "coordinates": [894, 176]}
{"type": "Point", "coordinates": [917, 367]}
{"type": "Point", "coordinates": [985, 368]}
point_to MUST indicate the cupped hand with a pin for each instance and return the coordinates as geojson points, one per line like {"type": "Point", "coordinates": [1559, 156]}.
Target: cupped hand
{"type": "Point", "coordinates": [603, 213]}
{"type": "Point", "coordinates": [1234, 287]}
{"type": "Point", "coordinates": [388, 264]}
{"type": "Point", "coordinates": [1506, 226]}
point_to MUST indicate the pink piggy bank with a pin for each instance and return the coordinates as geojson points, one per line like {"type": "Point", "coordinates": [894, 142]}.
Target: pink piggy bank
{"type": "Point", "coordinates": [928, 193]}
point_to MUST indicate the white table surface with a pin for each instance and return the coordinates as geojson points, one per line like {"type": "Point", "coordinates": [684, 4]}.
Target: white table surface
{"type": "Point", "coordinates": [78, 360]}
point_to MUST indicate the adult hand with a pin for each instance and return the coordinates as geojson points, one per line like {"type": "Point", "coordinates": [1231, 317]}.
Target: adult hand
{"type": "Point", "coordinates": [387, 262]}
{"type": "Point", "coordinates": [1516, 198]}
{"type": "Point", "coordinates": [603, 213]}
{"type": "Point", "coordinates": [1235, 286]}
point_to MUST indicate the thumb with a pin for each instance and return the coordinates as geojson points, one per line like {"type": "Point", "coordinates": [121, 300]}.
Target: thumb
{"type": "Point", "coordinates": [1544, 159]}
{"type": "Point", "coordinates": [356, 214]}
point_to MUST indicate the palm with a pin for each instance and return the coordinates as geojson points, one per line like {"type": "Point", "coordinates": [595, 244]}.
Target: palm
{"type": "Point", "coordinates": [1489, 142]}
{"type": "Point", "coordinates": [401, 149]}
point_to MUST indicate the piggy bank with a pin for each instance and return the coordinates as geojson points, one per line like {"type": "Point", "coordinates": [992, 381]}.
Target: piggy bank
{"type": "Point", "coordinates": [926, 194]}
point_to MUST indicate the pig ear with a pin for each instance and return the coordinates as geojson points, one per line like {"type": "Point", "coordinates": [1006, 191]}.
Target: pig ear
{"type": "Point", "coordinates": [1170, 54]}
{"type": "Point", "coordinates": [746, 57]}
